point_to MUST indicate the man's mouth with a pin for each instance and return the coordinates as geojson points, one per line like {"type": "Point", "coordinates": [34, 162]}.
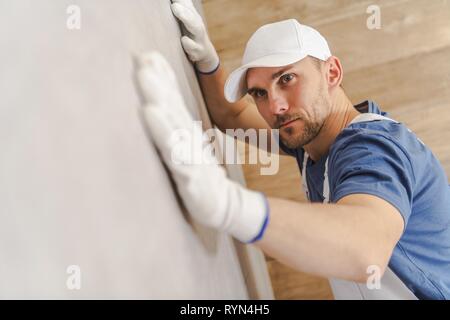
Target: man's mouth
{"type": "Point", "coordinates": [288, 122]}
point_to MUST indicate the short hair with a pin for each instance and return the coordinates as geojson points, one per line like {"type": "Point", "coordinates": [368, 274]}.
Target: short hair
{"type": "Point", "coordinates": [318, 64]}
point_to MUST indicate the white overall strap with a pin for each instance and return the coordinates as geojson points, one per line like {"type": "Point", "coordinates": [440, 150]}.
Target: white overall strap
{"type": "Point", "coordinates": [368, 117]}
{"type": "Point", "coordinates": [363, 117]}
{"type": "Point", "coordinates": [304, 183]}
{"type": "Point", "coordinates": [326, 185]}
{"type": "Point", "coordinates": [391, 287]}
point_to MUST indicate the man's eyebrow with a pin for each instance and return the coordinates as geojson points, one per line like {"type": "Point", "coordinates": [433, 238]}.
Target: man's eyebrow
{"type": "Point", "coordinates": [251, 90]}
{"type": "Point", "coordinates": [279, 73]}
{"type": "Point", "coordinates": [273, 77]}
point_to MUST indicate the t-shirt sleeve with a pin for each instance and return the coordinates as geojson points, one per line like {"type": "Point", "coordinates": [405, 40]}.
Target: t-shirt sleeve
{"type": "Point", "coordinates": [373, 164]}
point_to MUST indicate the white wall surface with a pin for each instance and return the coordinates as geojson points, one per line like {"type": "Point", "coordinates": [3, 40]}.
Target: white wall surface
{"type": "Point", "coordinates": [80, 183]}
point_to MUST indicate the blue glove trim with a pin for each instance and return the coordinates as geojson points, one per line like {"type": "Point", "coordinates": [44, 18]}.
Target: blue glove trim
{"type": "Point", "coordinates": [207, 73]}
{"type": "Point", "coordinates": [265, 223]}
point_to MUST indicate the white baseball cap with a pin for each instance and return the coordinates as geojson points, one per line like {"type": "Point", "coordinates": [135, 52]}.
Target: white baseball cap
{"type": "Point", "coordinates": [275, 45]}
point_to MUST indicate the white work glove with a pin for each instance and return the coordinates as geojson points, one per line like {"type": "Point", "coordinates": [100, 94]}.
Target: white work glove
{"type": "Point", "coordinates": [197, 46]}
{"type": "Point", "coordinates": [210, 197]}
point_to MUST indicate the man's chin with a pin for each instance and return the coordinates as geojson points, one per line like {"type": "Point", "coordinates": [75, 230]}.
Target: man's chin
{"type": "Point", "coordinates": [296, 142]}
{"type": "Point", "coordinates": [298, 139]}
{"type": "Point", "coordinates": [292, 144]}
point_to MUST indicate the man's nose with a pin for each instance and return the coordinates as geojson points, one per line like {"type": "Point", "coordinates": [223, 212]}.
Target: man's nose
{"type": "Point", "coordinates": [277, 103]}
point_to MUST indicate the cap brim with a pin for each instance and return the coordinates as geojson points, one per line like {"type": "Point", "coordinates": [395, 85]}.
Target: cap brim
{"type": "Point", "coordinates": [236, 84]}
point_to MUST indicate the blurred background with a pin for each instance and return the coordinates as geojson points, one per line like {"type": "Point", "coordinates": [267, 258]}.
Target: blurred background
{"type": "Point", "coordinates": [404, 66]}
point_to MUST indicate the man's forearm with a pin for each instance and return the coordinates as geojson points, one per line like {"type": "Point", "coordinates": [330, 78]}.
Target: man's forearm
{"type": "Point", "coordinates": [330, 240]}
{"type": "Point", "coordinates": [239, 115]}
{"type": "Point", "coordinates": [221, 111]}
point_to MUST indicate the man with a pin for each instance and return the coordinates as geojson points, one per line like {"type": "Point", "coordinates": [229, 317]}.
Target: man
{"type": "Point", "coordinates": [379, 196]}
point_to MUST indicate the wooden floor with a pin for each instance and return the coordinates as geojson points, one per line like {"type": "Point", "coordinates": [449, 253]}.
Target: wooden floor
{"type": "Point", "coordinates": [404, 66]}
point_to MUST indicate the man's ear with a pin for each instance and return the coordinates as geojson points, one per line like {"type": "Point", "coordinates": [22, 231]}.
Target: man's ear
{"type": "Point", "coordinates": [334, 71]}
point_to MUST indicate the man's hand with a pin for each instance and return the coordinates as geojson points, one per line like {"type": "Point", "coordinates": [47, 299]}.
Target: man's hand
{"type": "Point", "coordinates": [209, 196]}
{"type": "Point", "coordinates": [197, 46]}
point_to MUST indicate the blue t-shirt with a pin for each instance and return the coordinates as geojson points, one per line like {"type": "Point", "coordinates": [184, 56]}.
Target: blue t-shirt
{"type": "Point", "coordinates": [386, 159]}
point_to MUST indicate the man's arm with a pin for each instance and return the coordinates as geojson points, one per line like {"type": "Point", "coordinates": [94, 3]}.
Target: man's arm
{"type": "Point", "coordinates": [212, 76]}
{"type": "Point", "coordinates": [200, 50]}
{"type": "Point", "coordinates": [333, 240]}
{"type": "Point", "coordinates": [241, 114]}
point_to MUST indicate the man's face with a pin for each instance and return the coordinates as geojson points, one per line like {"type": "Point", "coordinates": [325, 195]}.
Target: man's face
{"type": "Point", "coordinates": [293, 99]}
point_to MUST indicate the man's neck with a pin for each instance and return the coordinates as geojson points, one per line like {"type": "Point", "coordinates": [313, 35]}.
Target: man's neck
{"type": "Point", "coordinates": [342, 113]}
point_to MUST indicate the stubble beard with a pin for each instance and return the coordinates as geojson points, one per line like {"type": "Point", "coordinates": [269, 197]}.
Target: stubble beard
{"type": "Point", "coordinates": [311, 129]}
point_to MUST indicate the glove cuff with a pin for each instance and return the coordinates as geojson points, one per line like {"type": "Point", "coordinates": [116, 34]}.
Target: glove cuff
{"type": "Point", "coordinates": [209, 65]}
{"type": "Point", "coordinates": [209, 72]}
{"type": "Point", "coordinates": [250, 223]}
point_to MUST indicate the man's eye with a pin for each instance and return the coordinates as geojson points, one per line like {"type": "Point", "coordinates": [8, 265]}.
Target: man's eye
{"type": "Point", "coordinates": [286, 78]}
{"type": "Point", "coordinates": [259, 93]}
